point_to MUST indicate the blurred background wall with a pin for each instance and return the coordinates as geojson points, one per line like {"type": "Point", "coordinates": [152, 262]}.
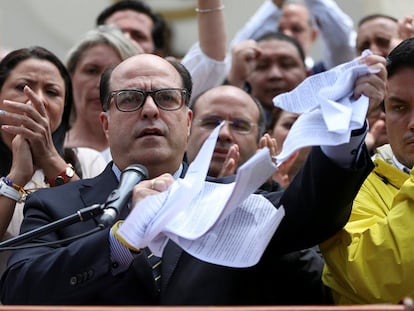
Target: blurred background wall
{"type": "Point", "coordinates": [58, 24]}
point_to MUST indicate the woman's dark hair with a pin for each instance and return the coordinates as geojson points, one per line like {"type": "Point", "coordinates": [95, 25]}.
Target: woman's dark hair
{"type": "Point", "coordinates": [7, 65]}
{"type": "Point", "coordinates": [275, 116]}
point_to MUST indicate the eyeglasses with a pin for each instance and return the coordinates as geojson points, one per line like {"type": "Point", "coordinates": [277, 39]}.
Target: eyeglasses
{"type": "Point", "coordinates": [240, 126]}
{"type": "Point", "coordinates": [134, 99]}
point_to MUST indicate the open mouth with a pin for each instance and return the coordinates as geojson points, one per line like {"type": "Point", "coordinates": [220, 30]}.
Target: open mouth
{"type": "Point", "coordinates": [220, 152]}
{"type": "Point", "coordinates": [150, 132]}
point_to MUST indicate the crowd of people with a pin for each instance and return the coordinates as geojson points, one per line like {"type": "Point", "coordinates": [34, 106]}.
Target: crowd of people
{"type": "Point", "coordinates": [70, 128]}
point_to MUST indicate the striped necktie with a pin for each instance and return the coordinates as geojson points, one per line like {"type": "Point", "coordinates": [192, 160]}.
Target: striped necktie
{"type": "Point", "coordinates": [155, 263]}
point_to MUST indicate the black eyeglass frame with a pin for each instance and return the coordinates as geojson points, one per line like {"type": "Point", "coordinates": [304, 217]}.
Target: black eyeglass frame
{"type": "Point", "coordinates": [230, 122]}
{"type": "Point", "coordinates": [184, 95]}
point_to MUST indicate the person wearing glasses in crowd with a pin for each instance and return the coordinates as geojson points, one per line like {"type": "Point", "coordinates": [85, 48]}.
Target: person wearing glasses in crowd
{"type": "Point", "coordinates": [148, 29]}
{"type": "Point", "coordinates": [147, 120]}
{"type": "Point", "coordinates": [97, 50]}
{"type": "Point", "coordinates": [138, 29]}
{"type": "Point", "coordinates": [242, 135]}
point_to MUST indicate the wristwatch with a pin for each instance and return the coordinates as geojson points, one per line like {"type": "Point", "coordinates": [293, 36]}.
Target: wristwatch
{"type": "Point", "coordinates": [63, 177]}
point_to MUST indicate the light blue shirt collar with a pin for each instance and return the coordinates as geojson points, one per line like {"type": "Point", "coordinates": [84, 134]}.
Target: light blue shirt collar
{"type": "Point", "coordinates": [118, 172]}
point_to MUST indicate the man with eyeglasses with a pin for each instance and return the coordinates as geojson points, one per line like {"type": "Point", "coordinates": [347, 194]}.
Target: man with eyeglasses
{"type": "Point", "coordinates": [150, 127]}
{"type": "Point", "coordinates": [238, 138]}
{"type": "Point", "coordinates": [299, 272]}
{"type": "Point", "coordinates": [146, 118]}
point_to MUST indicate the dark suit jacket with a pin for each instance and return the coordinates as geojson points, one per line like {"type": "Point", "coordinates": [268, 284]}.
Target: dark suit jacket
{"type": "Point", "coordinates": [317, 204]}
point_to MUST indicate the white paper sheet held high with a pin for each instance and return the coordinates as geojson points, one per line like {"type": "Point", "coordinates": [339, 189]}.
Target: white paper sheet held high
{"type": "Point", "coordinates": [328, 111]}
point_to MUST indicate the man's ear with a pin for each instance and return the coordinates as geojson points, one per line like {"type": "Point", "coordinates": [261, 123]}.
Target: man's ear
{"type": "Point", "coordinates": [314, 34]}
{"type": "Point", "coordinates": [189, 120]}
{"type": "Point", "coordinates": [104, 117]}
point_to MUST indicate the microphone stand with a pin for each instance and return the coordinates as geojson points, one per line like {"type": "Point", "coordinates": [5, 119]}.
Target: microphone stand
{"type": "Point", "coordinates": [129, 177]}
{"type": "Point", "coordinates": [81, 215]}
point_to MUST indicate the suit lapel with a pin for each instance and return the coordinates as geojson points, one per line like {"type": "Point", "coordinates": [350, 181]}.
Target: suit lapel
{"type": "Point", "coordinates": [97, 190]}
{"type": "Point", "coordinates": [170, 258]}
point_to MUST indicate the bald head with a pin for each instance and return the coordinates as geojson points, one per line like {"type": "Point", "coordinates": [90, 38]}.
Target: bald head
{"type": "Point", "coordinates": [379, 33]}
{"type": "Point", "coordinates": [296, 22]}
{"type": "Point", "coordinates": [244, 117]}
{"type": "Point", "coordinates": [147, 65]}
{"type": "Point", "coordinates": [146, 70]}
{"type": "Point", "coordinates": [147, 120]}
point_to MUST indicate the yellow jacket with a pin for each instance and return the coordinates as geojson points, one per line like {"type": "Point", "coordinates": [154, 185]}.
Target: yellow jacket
{"type": "Point", "coordinates": [372, 259]}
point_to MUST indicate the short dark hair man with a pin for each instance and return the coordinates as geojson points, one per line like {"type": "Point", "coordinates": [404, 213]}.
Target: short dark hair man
{"type": "Point", "coordinates": [140, 23]}
{"type": "Point", "coordinates": [371, 259]}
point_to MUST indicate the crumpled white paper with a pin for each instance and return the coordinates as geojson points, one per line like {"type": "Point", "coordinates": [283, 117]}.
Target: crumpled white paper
{"type": "Point", "coordinates": [328, 110]}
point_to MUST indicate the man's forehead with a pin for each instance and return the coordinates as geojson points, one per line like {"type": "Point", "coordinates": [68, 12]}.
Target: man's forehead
{"type": "Point", "coordinates": [296, 10]}
{"type": "Point", "coordinates": [131, 15]}
{"type": "Point", "coordinates": [220, 97]}
{"type": "Point", "coordinates": [275, 47]}
{"type": "Point", "coordinates": [144, 65]}
{"type": "Point", "coordinates": [225, 92]}
{"type": "Point", "coordinates": [379, 24]}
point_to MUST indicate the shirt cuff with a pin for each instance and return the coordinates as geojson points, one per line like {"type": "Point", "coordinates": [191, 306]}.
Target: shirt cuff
{"type": "Point", "coordinates": [346, 155]}
{"type": "Point", "coordinates": [121, 257]}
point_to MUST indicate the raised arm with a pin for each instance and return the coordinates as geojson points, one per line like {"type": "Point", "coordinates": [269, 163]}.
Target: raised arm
{"type": "Point", "coordinates": [205, 59]}
{"type": "Point", "coordinates": [211, 28]}
{"type": "Point", "coordinates": [265, 19]}
{"type": "Point", "coordinates": [336, 30]}
{"type": "Point", "coordinates": [324, 207]}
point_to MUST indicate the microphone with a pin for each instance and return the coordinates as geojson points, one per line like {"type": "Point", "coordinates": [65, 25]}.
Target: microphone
{"type": "Point", "coordinates": [119, 197]}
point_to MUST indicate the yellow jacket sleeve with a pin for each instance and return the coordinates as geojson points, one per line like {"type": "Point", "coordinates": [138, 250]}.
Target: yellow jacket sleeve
{"type": "Point", "coordinates": [372, 259]}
